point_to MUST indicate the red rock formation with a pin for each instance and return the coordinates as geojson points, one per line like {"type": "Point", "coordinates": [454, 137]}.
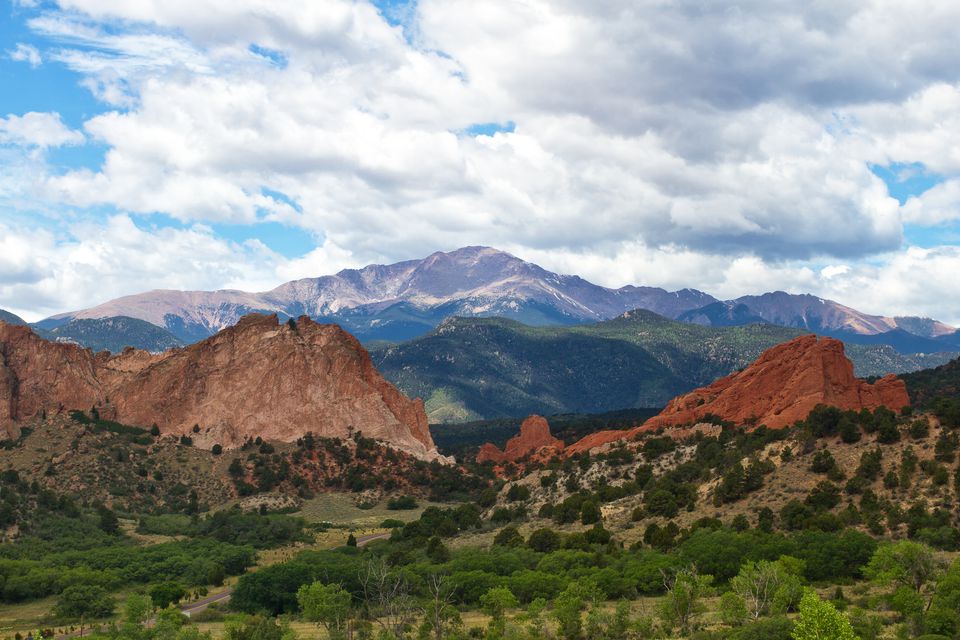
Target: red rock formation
{"type": "Point", "coordinates": [601, 439]}
{"type": "Point", "coordinates": [783, 385]}
{"type": "Point", "coordinates": [779, 388]}
{"type": "Point", "coordinates": [257, 378]}
{"type": "Point", "coordinates": [534, 439]}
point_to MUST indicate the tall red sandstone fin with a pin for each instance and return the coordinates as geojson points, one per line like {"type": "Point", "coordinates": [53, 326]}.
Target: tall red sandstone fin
{"type": "Point", "coordinates": [783, 385]}
{"type": "Point", "coordinates": [259, 377]}
{"type": "Point", "coordinates": [534, 438]}
{"type": "Point", "coordinates": [780, 387]}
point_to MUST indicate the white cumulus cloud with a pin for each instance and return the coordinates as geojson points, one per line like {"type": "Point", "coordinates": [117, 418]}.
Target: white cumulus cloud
{"type": "Point", "coordinates": [37, 130]}
{"type": "Point", "coordinates": [678, 144]}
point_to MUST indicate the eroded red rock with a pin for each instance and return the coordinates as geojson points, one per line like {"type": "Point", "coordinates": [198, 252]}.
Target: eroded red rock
{"type": "Point", "coordinates": [257, 378]}
{"type": "Point", "coordinates": [534, 438]}
{"type": "Point", "coordinates": [783, 385]}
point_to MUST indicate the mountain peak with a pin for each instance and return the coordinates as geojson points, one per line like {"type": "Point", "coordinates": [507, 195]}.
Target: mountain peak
{"type": "Point", "coordinates": [402, 300]}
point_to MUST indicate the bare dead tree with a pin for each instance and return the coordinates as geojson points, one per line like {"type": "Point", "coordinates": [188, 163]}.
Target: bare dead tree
{"type": "Point", "coordinates": [438, 610]}
{"type": "Point", "coordinates": [388, 597]}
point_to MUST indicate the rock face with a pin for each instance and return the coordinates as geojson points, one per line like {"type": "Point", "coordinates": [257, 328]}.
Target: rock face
{"type": "Point", "coordinates": [534, 438]}
{"type": "Point", "coordinates": [257, 378]}
{"type": "Point", "coordinates": [782, 386]}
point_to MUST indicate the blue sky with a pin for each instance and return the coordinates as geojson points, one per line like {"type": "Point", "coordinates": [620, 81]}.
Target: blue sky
{"type": "Point", "coordinates": [200, 145]}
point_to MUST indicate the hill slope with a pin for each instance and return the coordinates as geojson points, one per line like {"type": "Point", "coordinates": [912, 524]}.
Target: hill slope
{"type": "Point", "coordinates": [472, 368]}
{"type": "Point", "coordinates": [11, 318]}
{"type": "Point", "coordinates": [929, 384]}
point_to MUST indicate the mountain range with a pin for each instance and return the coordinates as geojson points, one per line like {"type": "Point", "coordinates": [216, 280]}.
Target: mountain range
{"type": "Point", "coordinates": [408, 299]}
{"type": "Point", "coordinates": [484, 368]}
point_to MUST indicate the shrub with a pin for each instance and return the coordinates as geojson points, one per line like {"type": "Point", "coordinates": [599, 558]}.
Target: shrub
{"type": "Point", "coordinates": [919, 429]}
{"type": "Point", "coordinates": [402, 503]}
{"type": "Point", "coordinates": [544, 540]}
{"type": "Point", "coordinates": [84, 600]}
{"type": "Point", "coordinates": [508, 537]}
{"type": "Point", "coordinates": [823, 462]}
{"type": "Point", "coordinates": [518, 492]}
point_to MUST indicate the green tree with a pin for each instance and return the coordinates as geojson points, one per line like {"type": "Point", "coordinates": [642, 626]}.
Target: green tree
{"type": "Point", "coordinates": [437, 551]}
{"type": "Point", "coordinates": [544, 540]}
{"type": "Point", "coordinates": [820, 620]}
{"type": "Point", "coordinates": [733, 610]}
{"type": "Point", "coordinates": [108, 520]}
{"type": "Point", "coordinates": [136, 611]}
{"type": "Point", "coordinates": [762, 583]}
{"type": "Point", "coordinates": [166, 593]}
{"type": "Point", "coordinates": [495, 603]}
{"type": "Point", "coordinates": [84, 601]}
{"type": "Point", "coordinates": [685, 591]}
{"type": "Point", "coordinates": [257, 627]}
{"type": "Point", "coordinates": [327, 605]}
{"type": "Point", "coordinates": [439, 615]}
{"type": "Point", "coordinates": [905, 563]}
{"type": "Point", "coordinates": [766, 519]}
{"type": "Point", "coordinates": [589, 512]}
{"type": "Point", "coordinates": [508, 537]}
{"type": "Point", "coordinates": [569, 605]}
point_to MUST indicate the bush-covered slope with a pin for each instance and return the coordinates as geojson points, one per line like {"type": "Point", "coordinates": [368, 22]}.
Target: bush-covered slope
{"type": "Point", "coordinates": [929, 384]}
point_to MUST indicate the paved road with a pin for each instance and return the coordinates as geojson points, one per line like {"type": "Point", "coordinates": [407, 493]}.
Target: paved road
{"type": "Point", "coordinates": [201, 605]}
{"type": "Point", "coordinates": [370, 537]}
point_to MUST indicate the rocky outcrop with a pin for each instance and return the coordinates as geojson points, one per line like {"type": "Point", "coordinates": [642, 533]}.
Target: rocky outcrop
{"type": "Point", "coordinates": [37, 376]}
{"type": "Point", "coordinates": [782, 386]}
{"type": "Point", "coordinates": [257, 378]}
{"type": "Point", "coordinates": [534, 439]}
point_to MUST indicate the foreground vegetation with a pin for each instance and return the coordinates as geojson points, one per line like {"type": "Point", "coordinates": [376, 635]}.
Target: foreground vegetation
{"type": "Point", "coordinates": [653, 538]}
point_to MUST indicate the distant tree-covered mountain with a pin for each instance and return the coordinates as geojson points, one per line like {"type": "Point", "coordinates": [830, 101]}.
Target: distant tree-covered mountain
{"type": "Point", "coordinates": [11, 318]}
{"type": "Point", "coordinates": [113, 334]}
{"type": "Point", "coordinates": [481, 368]}
{"type": "Point", "coordinates": [929, 385]}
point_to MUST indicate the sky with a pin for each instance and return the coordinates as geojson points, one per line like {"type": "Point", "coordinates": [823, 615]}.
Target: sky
{"type": "Point", "coordinates": [734, 148]}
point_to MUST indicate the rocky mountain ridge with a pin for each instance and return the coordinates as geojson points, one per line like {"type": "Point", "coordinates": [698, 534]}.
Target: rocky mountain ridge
{"type": "Point", "coordinates": [805, 311]}
{"type": "Point", "coordinates": [401, 300]}
{"type": "Point", "coordinates": [258, 378]}
{"type": "Point", "coordinates": [407, 299]}
{"type": "Point", "coordinates": [782, 386]}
